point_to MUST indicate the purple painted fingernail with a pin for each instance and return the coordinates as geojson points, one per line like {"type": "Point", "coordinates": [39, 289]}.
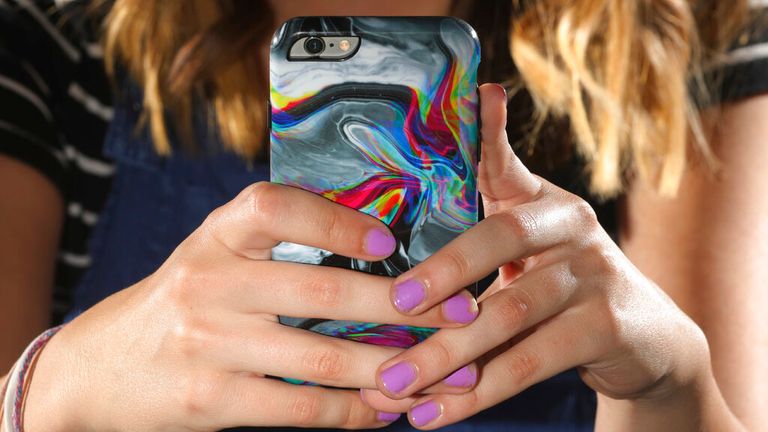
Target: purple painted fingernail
{"type": "Point", "coordinates": [408, 295]}
{"type": "Point", "coordinates": [425, 413]}
{"type": "Point", "coordinates": [464, 377]}
{"type": "Point", "coordinates": [379, 242]}
{"type": "Point", "coordinates": [396, 378]}
{"type": "Point", "coordinates": [387, 417]}
{"type": "Point", "coordinates": [460, 309]}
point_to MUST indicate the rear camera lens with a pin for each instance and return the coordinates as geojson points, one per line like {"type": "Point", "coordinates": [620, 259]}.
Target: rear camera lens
{"type": "Point", "coordinates": [314, 45]}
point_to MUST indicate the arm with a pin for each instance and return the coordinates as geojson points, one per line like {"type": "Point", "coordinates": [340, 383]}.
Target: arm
{"type": "Point", "coordinates": [707, 249]}
{"type": "Point", "coordinates": [30, 211]}
{"type": "Point", "coordinates": [31, 215]}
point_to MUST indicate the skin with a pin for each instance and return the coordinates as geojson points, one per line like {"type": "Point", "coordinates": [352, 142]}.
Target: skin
{"type": "Point", "coordinates": [31, 210]}
{"type": "Point", "coordinates": [715, 240]}
{"type": "Point", "coordinates": [567, 297]}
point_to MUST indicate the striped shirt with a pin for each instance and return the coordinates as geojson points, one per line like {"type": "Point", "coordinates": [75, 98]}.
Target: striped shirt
{"type": "Point", "coordinates": [54, 110]}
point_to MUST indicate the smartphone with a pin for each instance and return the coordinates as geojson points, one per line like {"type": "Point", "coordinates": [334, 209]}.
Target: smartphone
{"type": "Point", "coordinates": [379, 114]}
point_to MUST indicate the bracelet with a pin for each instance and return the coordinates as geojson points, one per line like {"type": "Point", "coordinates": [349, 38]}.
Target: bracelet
{"type": "Point", "coordinates": [15, 390]}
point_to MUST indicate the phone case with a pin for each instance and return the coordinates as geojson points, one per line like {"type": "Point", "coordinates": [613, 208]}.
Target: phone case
{"type": "Point", "coordinates": [391, 131]}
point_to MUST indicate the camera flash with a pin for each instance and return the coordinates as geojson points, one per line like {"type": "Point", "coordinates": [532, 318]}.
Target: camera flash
{"type": "Point", "coordinates": [344, 45]}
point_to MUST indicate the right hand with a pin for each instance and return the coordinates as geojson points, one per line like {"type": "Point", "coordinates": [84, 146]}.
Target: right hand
{"type": "Point", "coordinates": [188, 347]}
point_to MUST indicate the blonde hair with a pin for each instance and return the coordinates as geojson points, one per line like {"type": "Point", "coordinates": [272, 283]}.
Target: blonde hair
{"type": "Point", "coordinates": [182, 52]}
{"type": "Point", "coordinates": [618, 70]}
{"type": "Point", "coordinates": [621, 71]}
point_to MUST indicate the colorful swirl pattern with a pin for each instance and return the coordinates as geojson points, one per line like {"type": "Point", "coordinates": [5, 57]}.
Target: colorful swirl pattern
{"type": "Point", "coordinates": [391, 132]}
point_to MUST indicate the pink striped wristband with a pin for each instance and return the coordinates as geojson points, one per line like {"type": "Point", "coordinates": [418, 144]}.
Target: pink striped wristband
{"type": "Point", "coordinates": [15, 389]}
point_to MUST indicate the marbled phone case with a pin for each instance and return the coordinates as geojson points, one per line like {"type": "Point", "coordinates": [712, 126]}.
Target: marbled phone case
{"type": "Point", "coordinates": [391, 131]}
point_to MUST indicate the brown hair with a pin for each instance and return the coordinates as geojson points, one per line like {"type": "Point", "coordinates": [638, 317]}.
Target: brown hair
{"type": "Point", "coordinates": [619, 70]}
{"type": "Point", "coordinates": [195, 51]}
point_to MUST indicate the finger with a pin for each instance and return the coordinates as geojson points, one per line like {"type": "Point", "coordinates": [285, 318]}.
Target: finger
{"type": "Point", "coordinates": [529, 300]}
{"type": "Point", "coordinates": [524, 231]}
{"type": "Point", "coordinates": [302, 290]}
{"type": "Point", "coordinates": [380, 402]}
{"type": "Point", "coordinates": [507, 274]}
{"type": "Point", "coordinates": [502, 176]}
{"type": "Point", "coordinates": [268, 402]}
{"type": "Point", "coordinates": [258, 346]}
{"type": "Point", "coordinates": [247, 344]}
{"type": "Point", "coordinates": [265, 214]}
{"type": "Point", "coordinates": [556, 346]}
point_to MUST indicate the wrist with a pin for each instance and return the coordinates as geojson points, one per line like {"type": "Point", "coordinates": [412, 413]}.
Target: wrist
{"type": "Point", "coordinates": [695, 405]}
{"type": "Point", "coordinates": [50, 403]}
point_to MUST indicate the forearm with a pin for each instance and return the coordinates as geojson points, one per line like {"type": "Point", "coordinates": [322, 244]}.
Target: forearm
{"type": "Point", "coordinates": [696, 407]}
{"type": "Point", "coordinates": [706, 249]}
{"type": "Point", "coordinates": [31, 210]}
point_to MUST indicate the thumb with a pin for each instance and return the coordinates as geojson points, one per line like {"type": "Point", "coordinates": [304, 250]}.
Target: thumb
{"type": "Point", "coordinates": [502, 175]}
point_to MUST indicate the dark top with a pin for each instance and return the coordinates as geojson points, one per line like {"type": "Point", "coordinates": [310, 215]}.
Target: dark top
{"type": "Point", "coordinates": [156, 202]}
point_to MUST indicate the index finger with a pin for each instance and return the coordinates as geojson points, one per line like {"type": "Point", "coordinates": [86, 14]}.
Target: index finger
{"type": "Point", "coordinates": [507, 236]}
{"type": "Point", "coordinates": [265, 214]}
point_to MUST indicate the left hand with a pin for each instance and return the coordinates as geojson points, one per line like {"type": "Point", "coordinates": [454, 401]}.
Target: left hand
{"type": "Point", "coordinates": [566, 297]}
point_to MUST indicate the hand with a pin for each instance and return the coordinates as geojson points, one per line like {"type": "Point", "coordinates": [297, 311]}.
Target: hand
{"type": "Point", "coordinates": [566, 297]}
{"type": "Point", "coordinates": [188, 348]}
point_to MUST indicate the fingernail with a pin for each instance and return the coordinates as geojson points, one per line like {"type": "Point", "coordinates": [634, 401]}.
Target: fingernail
{"type": "Point", "coordinates": [380, 242]}
{"type": "Point", "coordinates": [464, 377]}
{"type": "Point", "coordinates": [387, 417]}
{"type": "Point", "coordinates": [503, 89]}
{"type": "Point", "coordinates": [425, 413]}
{"type": "Point", "coordinates": [396, 378]}
{"type": "Point", "coordinates": [408, 295]}
{"type": "Point", "coordinates": [460, 309]}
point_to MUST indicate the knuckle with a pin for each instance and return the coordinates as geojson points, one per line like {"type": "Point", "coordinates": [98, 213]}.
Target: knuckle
{"type": "Point", "coordinates": [521, 224]}
{"type": "Point", "coordinates": [522, 365]}
{"type": "Point", "coordinates": [458, 262]}
{"type": "Point", "coordinates": [327, 364]}
{"type": "Point", "coordinates": [181, 284]}
{"type": "Point", "coordinates": [514, 309]}
{"type": "Point", "coordinates": [471, 401]}
{"type": "Point", "coordinates": [200, 395]}
{"type": "Point", "coordinates": [213, 217]}
{"type": "Point", "coordinates": [584, 212]}
{"type": "Point", "coordinates": [357, 415]}
{"type": "Point", "coordinates": [330, 227]}
{"type": "Point", "coordinates": [306, 409]}
{"type": "Point", "coordinates": [262, 201]}
{"type": "Point", "coordinates": [192, 337]}
{"type": "Point", "coordinates": [323, 291]}
{"type": "Point", "coordinates": [440, 352]}
{"type": "Point", "coordinates": [557, 285]}
{"type": "Point", "coordinates": [183, 274]}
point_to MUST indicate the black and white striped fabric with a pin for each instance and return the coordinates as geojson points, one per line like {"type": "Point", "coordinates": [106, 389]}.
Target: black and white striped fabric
{"type": "Point", "coordinates": [55, 106]}
{"type": "Point", "coordinates": [745, 69]}
{"type": "Point", "coordinates": [54, 109]}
